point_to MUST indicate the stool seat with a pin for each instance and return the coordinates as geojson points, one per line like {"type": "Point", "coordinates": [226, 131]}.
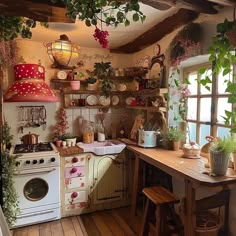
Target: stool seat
{"type": "Point", "coordinates": [159, 195]}
{"type": "Point", "coordinates": [163, 200]}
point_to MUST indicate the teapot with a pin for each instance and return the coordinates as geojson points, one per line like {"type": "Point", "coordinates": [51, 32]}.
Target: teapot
{"type": "Point", "coordinates": [30, 139]}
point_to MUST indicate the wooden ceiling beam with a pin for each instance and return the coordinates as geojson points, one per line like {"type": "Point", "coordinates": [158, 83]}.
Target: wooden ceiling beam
{"type": "Point", "coordinates": [201, 6]}
{"type": "Point", "coordinates": [182, 17]}
{"type": "Point", "coordinates": [36, 10]}
{"type": "Point", "coordinates": [229, 3]}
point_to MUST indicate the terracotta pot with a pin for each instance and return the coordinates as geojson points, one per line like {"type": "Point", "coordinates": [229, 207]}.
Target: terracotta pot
{"type": "Point", "coordinates": [176, 145]}
{"type": "Point", "coordinates": [58, 143]}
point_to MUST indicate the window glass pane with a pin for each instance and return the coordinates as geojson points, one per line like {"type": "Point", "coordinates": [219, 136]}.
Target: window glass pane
{"type": "Point", "coordinates": [203, 89]}
{"type": "Point", "coordinates": [192, 131]}
{"type": "Point", "coordinates": [221, 82]}
{"type": "Point", "coordinates": [222, 132]}
{"type": "Point", "coordinates": [222, 106]}
{"type": "Point", "coordinates": [192, 109]}
{"type": "Point", "coordinates": [193, 83]}
{"type": "Point", "coordinates": [204, 131]}
{"type": "Point", "coordinates": [205, 109]}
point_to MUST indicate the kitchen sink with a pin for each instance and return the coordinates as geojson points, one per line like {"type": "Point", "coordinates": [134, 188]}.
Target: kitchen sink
{"type": "Point", "coordinates": [103, 148]}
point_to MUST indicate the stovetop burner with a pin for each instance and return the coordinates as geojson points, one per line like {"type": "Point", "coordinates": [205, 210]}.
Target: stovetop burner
{"type": "Point", "coordinates": [40, 147]}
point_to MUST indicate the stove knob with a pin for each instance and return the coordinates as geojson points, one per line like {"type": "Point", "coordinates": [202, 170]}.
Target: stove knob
{"type": "Point", "coordinates": [53, 159]}
{"type": "Point", "coordinates": [35, 162]}
{"type": "Point", "coordinates": [41, 161]}
{"type": "Point", "coordinates": [17, 163]}
{"type": "Point", "coordinates": [75, 159]}
{"type": "Point", "coordinates": [27, 162]}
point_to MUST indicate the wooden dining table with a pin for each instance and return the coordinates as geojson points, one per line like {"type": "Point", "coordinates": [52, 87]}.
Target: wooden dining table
{"type": "Point", "coordinates": [192, 171]}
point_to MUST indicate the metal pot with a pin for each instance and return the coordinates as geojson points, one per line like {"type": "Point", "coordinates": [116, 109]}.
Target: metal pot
{"type": "Point", "coordinates": [29, 139]}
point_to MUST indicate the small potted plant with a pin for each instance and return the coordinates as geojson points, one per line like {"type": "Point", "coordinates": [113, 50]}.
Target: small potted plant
{"type": "Point", "coordinates": [220, 153]}
{"type": "Point", "coordinates": [70, 140]}
{"type": "Point", "coordinates": [104, 72]}
{"type": "Point", "coordinates": [91, 83]}
{"type": "Point", "coordinates": [172, 138]}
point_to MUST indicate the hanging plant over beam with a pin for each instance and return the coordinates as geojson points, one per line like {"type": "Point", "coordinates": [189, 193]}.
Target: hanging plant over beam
{"type": "Point", "coordinates": [103, 12]}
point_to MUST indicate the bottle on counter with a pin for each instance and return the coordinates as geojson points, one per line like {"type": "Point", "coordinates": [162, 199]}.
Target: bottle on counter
{"type": "Point", "coordinates": [88, 132]}
{"type": "Point", "coordinates": [101, 133]}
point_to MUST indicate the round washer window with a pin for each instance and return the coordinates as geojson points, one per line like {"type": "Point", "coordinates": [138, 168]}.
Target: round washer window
{"type": "Point", "coordinates": [36, 189]}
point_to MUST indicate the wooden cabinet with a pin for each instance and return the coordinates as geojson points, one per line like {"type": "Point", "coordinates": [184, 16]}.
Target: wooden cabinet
{"type": "Point", "coordinates": [74, 184]}
{"type": "Point", "coordinates": [90, 183]}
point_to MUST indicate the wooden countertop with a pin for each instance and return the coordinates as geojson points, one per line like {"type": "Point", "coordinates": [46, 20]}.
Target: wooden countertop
{"type": "Point", "coordinates": [69, 150]}
{"type": "Point", "coordinates": [174, 164]}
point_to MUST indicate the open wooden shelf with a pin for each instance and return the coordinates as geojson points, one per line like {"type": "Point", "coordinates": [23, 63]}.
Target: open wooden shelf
{"type": "Point", "coordinates": [133, 93]}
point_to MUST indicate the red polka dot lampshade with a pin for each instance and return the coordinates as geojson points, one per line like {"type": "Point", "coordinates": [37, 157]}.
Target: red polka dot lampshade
{"type": "Point", "coordinates": [29, 85]}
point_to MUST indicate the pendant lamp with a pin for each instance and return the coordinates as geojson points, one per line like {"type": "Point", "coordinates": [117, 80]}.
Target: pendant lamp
{"type": "Point", "coordinates": [63, 53]}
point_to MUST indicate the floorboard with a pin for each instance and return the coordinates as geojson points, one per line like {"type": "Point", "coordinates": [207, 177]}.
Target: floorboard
{"type": "Point", "coordinates": [116, 222]}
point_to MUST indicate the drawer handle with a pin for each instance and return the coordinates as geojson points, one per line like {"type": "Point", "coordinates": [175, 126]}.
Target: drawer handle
{"type": "Point", "coordinates": [74, 195]}
{"type": "Point", "coordinates": [75, 159]}
{"type": "Point", "coordinates": [73, 170]}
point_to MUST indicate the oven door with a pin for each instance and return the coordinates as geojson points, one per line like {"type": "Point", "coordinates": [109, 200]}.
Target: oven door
{"type": "Point", "coordinates": [37, 187]}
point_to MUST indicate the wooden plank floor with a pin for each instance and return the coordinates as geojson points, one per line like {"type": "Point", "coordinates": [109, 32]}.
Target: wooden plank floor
{"type": "Point", "coordinates": [116, 222]}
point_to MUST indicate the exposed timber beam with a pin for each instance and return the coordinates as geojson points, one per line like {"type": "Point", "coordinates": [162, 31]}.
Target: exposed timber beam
{"type": "Point", "coordinates": [182, 17]}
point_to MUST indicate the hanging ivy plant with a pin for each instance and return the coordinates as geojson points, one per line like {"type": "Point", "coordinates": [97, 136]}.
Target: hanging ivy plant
{"type": "Point", "coordinates": [104, 72]}
{"type": "Point", "coordinates": [97, 12]}
{"type": "Point", "coordinates": [10, 198]}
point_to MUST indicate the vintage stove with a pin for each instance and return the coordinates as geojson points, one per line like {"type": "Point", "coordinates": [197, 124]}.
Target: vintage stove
{"type": "Point", "coordinates": [37, 182]}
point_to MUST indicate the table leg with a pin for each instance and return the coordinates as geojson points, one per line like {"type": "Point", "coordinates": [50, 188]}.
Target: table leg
{"type": "Point", "coordinates": [135, 186]}
{"type": "Point", "coordinates": [190, 209]}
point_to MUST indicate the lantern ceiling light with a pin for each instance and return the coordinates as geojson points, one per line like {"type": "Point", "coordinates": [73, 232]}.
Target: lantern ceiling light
{"type": "Point", "coordinates": [63, 53]}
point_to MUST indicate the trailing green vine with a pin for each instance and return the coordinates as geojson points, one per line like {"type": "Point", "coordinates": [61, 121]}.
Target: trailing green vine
{"type": "Point", "coordinates": [99, 12]}
{"type": "Point", "coordinates": [10, 198]}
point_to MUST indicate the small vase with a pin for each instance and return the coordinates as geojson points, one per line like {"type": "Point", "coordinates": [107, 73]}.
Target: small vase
{"type": "Point", "coordinates": [75, 85]}
{"type": "Point", "coordinates": [219, 162]}
{"type": "Point", "coordinates": [58, 143]}
{"type": "Point", "coordinates": [176, 145]}
{"type": "Point", "coordinates": [91, 87]}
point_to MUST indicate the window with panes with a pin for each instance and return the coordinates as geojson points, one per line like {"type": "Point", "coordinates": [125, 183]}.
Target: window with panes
{"type": "Point", "coordinates": [206, 107]}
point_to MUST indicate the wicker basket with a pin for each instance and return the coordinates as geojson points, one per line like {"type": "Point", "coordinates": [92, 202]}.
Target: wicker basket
{"type": "Point", "coordinates": [208, 223]}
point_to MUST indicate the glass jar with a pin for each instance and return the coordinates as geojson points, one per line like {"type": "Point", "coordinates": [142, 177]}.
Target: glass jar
{"type": "Point", "coordinates": [88, 132]}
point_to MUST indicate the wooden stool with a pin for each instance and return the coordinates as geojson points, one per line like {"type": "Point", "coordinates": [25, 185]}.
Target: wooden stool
{"type": "Point", "coordinates": [164, 201]}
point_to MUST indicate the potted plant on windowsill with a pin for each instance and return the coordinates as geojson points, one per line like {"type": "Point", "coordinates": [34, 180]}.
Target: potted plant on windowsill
{"type": "Point", "coordinates": [172, 138]}
{"type": "Point", "coordinates": [220, 152]}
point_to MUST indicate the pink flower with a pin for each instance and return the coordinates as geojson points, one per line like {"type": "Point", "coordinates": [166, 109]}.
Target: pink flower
{"type": "Point", "coordinates": [192, 143]}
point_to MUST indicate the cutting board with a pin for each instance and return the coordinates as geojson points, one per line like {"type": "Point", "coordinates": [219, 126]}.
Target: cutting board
{"type": "Point", "coordinates": [138, 122]}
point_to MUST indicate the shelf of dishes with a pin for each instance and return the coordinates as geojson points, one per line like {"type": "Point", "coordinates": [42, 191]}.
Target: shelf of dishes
{"type": "Point", "coordinates": [136, 92]}
{"type": "Point", "coordinates": [150, 109]}
{"type": "Point", "coordinates": [133, 102]}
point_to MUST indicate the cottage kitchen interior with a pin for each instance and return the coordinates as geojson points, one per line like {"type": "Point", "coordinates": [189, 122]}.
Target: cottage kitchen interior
{"type": "Point", "coordinates": [91, 182]}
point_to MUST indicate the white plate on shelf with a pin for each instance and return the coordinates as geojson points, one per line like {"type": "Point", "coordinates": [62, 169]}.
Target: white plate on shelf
{"type": "Point", "coordinates": [61, 74]}
{"type": "Point", "coordinates": [129, 100]}
{"type": "Point", "coordinates": [115, 100]}
{"type": "Point", "coordinates": [104, 101]}
{"type": "Point", "coordinates": [92, 100]}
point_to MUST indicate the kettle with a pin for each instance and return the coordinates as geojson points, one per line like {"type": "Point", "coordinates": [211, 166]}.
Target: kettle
{"type": "Point", "coordinates": [30, 139]}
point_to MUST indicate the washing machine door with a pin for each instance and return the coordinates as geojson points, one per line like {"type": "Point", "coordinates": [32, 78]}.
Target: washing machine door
{"type": "Point", "coordinates": [35, 189]}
